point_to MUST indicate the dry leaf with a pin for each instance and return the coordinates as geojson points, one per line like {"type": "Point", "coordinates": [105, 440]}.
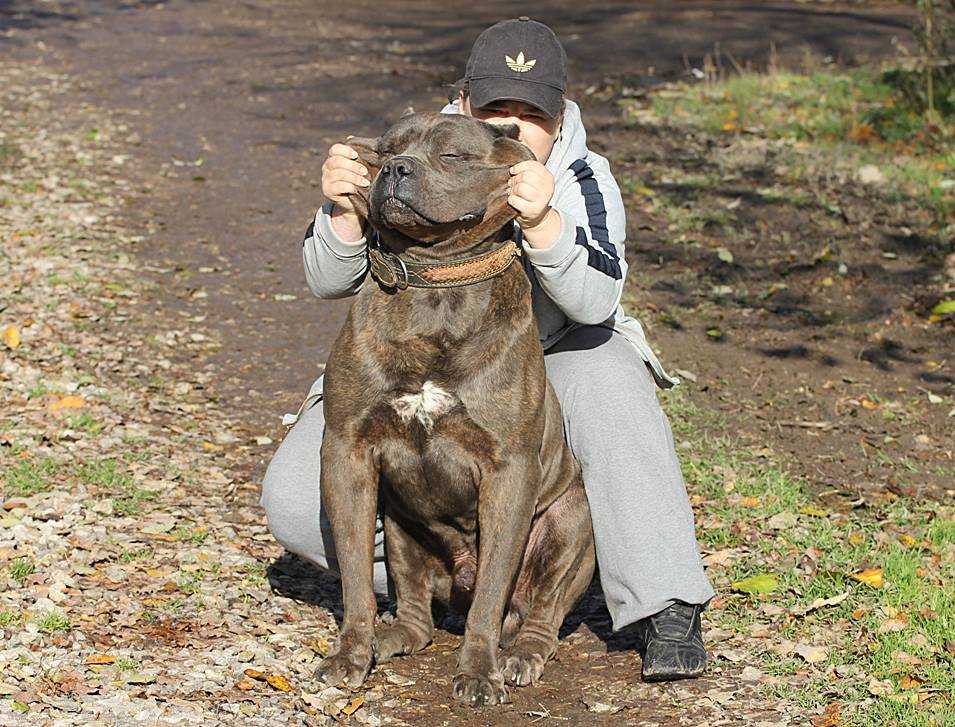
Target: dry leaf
{"type": "Point", "coordinates": [353, 706]}
{"type": "Point", "coordinates": [245, 685]}
{"type": "Point", "coordinates": [910, 682]}
{"type": "Point", "coordinates": [829, 718]}
{"type": "Point", "coordinates": [869, 576]}
{"type": "Point", "coordinates": [880, 688]}
{"type": "Point", "coordinates": [99, 659]}
{"type": "Point", "coordinates": [11, 336]}
{"type": "Point", "coordinates": [71, 401]}
{"type": "Point", "coordinates": [821, 603]}
{"type": "Point", "coordinates": [812, 654]}
{"type": "Point", "coordinates": [254, 674]}
{"type": "Point", "coordinates": [749, 502]}
{"type": "Point", "coordinates": [279, 682]}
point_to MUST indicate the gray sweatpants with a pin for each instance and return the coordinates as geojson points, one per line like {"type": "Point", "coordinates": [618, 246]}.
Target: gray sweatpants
{"type": "Point", "coordinates": [643, 525]}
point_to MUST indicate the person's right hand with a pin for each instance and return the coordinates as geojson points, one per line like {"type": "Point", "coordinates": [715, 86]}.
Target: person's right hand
{"type": "Point", "coordinates": [343, 175]}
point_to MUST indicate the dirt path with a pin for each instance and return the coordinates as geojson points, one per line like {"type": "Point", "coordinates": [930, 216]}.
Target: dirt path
{"type": "Point", "coordinates": [230, 109]}
{"type": "Point", "coordinates": [258, 91]}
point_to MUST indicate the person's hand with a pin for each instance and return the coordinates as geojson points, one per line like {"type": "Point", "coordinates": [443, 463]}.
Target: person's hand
{"type": "Point", "coordinates": [530, 189]}
{"type": "Point", "coordinates": [342, 176]}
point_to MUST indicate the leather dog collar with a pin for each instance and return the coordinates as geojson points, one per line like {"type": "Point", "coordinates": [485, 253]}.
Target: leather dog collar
{"type": "Point", "coordinates": [393, 271]}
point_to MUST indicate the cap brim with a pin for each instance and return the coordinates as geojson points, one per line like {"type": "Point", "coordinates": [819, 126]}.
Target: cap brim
{"type": "Point", "coordinates": [483, 91]}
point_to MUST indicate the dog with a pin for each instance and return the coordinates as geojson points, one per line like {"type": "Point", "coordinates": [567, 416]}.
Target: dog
{"type": "Point", "coordinates": [438, 412]}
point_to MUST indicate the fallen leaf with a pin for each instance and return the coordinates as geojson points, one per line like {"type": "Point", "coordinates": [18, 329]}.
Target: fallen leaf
{"type": "Point", "coordinates": [11, 336]}
{"type": "Point", "coordinates": [245, 685]}
{"type": "Point", "coordinates": [782, 521]}
{"type": "Point", "coordinates": [829, 718]}
{"type": "Point", "coordinates": [762, 583]}
{"type": "Point", "coordinates": [279, 682]}
{"type": "Point", "coordinates": [910, 682]}
{"type": "Point", "coordinates": [254, 674]}
{"type": "Point", "coordinates": [880, 688]}
{"type": "Point", "coordinates": [749, 502]}
{"type": "Point", "coordinates": [136, 678]}
{"type": "Point", "coordinates": [725, 255]}
{"type": "Point", "coordinates": [946, 306]}
{"type": "Point", "coordinates": [353, 706]}
{"type": "Point", "coordinates": [895, 624]}
{"type": "Point", "coordinates": [821, 603]}
{"type": "Point", "coordinates": [812, 654]}
{"type": "Point", "coordinates": [99, 659]}
{"type": "Point", "coordinates": [70, 401]}
{"type": "Point", "coordinates": [869, 576]}
{"type": "Point", "coordinates": [814, 511]}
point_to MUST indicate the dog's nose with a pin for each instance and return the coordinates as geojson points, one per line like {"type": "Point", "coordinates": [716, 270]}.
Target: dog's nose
{"type": "Point", "coordinates": [399, 166]}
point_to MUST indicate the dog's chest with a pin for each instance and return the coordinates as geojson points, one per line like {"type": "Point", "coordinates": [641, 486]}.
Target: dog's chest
{"type": "Point", "coordinates": [426, 406]}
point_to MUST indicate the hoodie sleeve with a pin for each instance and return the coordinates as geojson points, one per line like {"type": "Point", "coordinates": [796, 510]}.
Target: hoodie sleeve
{"type": "Point", "coordinates": [583, 272]}
{"type": "Point", "coordinates": [334, 268]}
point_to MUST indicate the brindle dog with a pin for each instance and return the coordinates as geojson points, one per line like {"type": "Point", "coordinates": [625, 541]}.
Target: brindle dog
{"type": "Point", "coordinates": [439, 412]}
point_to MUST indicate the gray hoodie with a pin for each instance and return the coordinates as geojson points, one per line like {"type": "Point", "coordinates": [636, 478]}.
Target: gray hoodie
{"type": "Point", "coordinates": [577, 281]}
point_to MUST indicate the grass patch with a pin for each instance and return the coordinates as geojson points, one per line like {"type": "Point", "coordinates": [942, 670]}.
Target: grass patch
{"type": "Point", "coordinates": [886, 647]}
{"type": "Point", "coordinates": [21, 568]}
{"type": "Point", "coordinates": [86, 422]}
{"type": "Point", "coordinates": [28, 477]}
{"type": "Point", "coordinates": [860, 111]}
{"type": "Point", "coordinates": [52, 622]}
{"type": "Point", "coordinates": [10, 618]}
{"type": "Point", "coordinates": [107, 473]}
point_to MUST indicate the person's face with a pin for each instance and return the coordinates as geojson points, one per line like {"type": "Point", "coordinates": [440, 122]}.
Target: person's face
{"type": "Point", "coordinates": [537, 131]}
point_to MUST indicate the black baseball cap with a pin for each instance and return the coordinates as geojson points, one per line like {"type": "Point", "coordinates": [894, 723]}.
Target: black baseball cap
{"type": "Point", "coordinates": [518, 60]}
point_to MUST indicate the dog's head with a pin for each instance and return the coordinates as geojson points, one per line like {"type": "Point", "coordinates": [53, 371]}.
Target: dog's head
{"type": "Point", "coordinates": [438, 175]}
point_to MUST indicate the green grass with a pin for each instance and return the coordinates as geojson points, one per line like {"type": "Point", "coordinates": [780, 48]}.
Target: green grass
{"type": "Point", "coordinates": [124, 663]}
{"type": "Point", "coordinates": [52, 622]}
{"type": "Point", "coordinates": [859, 112]}
{"type": "Point", "coordinates": [10, 618]}
{"type": "Point", "coordinates": [908, 540]}
{"type": "Point", "coordinates": [108, 474]}
{"type": "Point", "coordinates": [20, 568]}
{"type": "Point", "coordinates": [86, 422]}
{"type": "Point", "coordinates": [28, 477]}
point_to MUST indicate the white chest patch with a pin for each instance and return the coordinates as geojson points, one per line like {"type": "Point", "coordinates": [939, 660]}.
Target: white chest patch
{"type": "Point", "coordinates": [432, 403]}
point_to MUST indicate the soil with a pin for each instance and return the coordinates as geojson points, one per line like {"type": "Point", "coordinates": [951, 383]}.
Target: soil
{"type": "Point", "coordinates": [233, 105]}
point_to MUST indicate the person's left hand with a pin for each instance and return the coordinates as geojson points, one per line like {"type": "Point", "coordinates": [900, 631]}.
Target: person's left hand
{"type": "Point", "coordinates": [531, 188]}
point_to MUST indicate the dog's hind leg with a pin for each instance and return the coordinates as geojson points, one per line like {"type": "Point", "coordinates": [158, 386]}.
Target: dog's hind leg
{"type": "Point", "coordinates": [416, 575]}
{"type": "Point", "coordinates": [558, 568]}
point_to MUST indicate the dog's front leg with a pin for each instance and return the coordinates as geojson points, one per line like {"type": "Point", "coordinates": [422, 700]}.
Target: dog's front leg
{"type": "Point", "coordinates": [505, 508]}
{"type": "Point", "coordinates": [349, 487]}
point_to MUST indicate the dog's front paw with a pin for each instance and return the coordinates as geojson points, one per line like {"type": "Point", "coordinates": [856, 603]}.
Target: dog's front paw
{"type": "Point", "coordinates": [478, 690]}
{"type": "Point", "coordinates": [347, 668]}
{"type": "Point", "coordinates": [398, 638]}
{"type": "Point", "coordinates": [522, 665]}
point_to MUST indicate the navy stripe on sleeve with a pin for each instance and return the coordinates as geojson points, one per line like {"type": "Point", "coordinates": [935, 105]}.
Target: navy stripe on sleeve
{"type": "Point", "coordinates": [609, 263]}
{"type": "Point", "coordinates": [597, 259]}
{"type": "Point", "coordinates": [309, 232]}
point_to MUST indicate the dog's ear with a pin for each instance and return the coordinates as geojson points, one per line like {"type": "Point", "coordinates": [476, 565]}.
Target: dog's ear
{"type": "Point", "coordinates": [509, 131]}
{"type": "Point", "coordinates": [367, 153]}
{"type": "Point", "coordinates": [367, 150]}
{"type": "Point", "coordinates": [508, 151]}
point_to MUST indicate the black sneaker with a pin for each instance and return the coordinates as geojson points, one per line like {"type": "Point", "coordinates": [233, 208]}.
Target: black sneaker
{"type": "Point", "coordinates": [672, 644]}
